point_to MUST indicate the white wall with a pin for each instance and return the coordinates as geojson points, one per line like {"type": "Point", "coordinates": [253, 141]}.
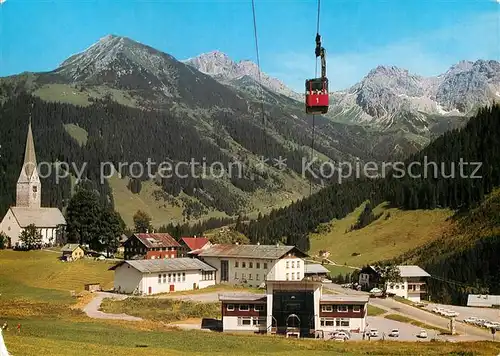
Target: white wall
{"type": "Point", "coordinates": [286, 269]}
{"type": "Point", "coordinates": [230, 323]}
{"type": "Point", "coordinates": [354, 323]}
{"type": "Point", "coordinates": [10, 227]}
{"type": "Point", "coordinates": [276, 269]}
{"type": "Point", "coordinates": [127, 279]}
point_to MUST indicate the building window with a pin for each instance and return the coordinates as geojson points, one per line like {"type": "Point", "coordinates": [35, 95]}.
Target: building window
{"type": "Point", "coordinates": [257, 277]}
{"type": "Point", "coordinates": [250, 276]}
{"type": "Point", "coordinates": [236, 264]}
{"type": "Point", "coordinates": [243, 276]}
{"type": "Point", "coordinates": [265, 265]}
{"type": "Point", "coordinates": [326, 308]}
{"type": "Point", "coordinates": [298, 264]}
{"type": "Point", "coordinates": [243, 264]}
{"type": "Point", "coordinates": [230, 307]}
{"type": "Point", "coordinates": [183, 277]}
{"type": "Point", "coordinates": [244, 321]}
{"type": "Point", "coordinates": [293, 276]}
{"type": "Point", "coordinates": [244, 307]}
{"type": "Point", "coordinates": [298, 275]}
{"type": "Point", "coordinates": [397, 286]}
{"type": "Point", "coordinates": [342, 308]}
{"type": "Point", "coordinates": [164, 278]}
{"type": "Point", "coordinates": [257, 265]}
{"type": "Point", "coordinates": [159, 279]}
{"type": "Point", "coordinates": [250, 264]}
{"type": "Point", "coordinates": [178, 277]}
{"type": "Point", "coordinates": [34, 189]}
{"type": "Point", "coordinates": [356, 308]}
{"type": "Point", "coordinates": [169, 278]}
{"type": "Point", "coordinates": [327, 322]}
{"type": "Point", "coordinates": [287, 276]}
{"type": "Point", "coordinates": [344, 322]}
{"type": "Point", "coordinates": [258, 307]}
{"type": "Point", "coordinates": [287, 264]}
{"type": "Point", "coordinates": [293, 264]}
{"type": "Point", "coordinates": [235, 275]}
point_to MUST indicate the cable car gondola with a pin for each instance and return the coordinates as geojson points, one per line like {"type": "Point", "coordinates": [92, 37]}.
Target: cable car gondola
{"type": "Point", "coordinates": [317, 88]}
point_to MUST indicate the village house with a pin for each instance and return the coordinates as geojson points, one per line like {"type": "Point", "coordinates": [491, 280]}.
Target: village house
{"type": "Point", "coordinates": [251, 265]}
{"type": "Point", "coordinates": [121, 240]}
{"type": "Point", "coordinates": [411, 286]}
{"type": "Point", "coordinates": [48, 221]}
{"type": "Point", "coordinates": [315, 270]}
{"type": "Point", "coordinates": [293, 308]}
{"type": "Point", "coordinates": [150, 246]}
{"type": "Point", "coordinates": [153, 276]}
{"type": "Point", "coordinates": [192, 246]}
{"type": "Point", "coordinates": [72, 252]}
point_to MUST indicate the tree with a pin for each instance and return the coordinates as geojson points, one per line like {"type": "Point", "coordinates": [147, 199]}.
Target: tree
{"type": "Point", "coordinates": [112, 227]}
{"type": "Point", "coordinates": [82, 215]}
{"type": "Point", "coordinates": [142, 222]}
{"type": "Point", "coordinates": [31, 237]}
{"type": "Point", "coordinates": [387, 274]}
{"type": "Point", "coordinates": [4, 241]}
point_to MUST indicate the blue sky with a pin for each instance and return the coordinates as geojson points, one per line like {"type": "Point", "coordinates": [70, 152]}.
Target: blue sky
{"type": "Point", "coordinates": [424, 36]}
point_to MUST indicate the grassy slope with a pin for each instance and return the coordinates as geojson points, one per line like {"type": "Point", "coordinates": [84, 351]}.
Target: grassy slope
{"type": "Point", "coordinates": [382, 239]}
{"type": "Point", "coordinates": [50, 327]}
{"type": "Point", "coordinates": [481, 222]}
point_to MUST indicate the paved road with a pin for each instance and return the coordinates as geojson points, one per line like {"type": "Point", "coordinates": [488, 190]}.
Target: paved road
{"type": "Point", "coordinates": [92, 309]}
{"type": "Point", "coordinates": [209, 297]}
{"type": "Point", "coordinates": [468, 332]}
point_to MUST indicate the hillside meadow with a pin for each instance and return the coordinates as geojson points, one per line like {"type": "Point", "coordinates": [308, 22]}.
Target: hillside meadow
{"type": "Point", "coordinates": [35, 292]}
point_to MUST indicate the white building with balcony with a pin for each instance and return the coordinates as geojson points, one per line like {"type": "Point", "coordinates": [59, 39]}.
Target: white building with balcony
{"type": "Point", "coordinates": [412, 285]}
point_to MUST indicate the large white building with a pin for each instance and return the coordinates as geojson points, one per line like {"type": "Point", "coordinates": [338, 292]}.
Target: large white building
{"type": "Point", "coordinates": [252, 265]}
{"type": "Point", "coordinates": [412, 285]}
{"type": "Point", "coordinates": [28, 210]}
{"type": "Point", "coordinates": [293, 307]}
{"type": "Point", "coordinates": [153, 276]}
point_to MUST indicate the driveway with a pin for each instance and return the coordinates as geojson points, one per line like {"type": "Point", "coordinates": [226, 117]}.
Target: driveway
{"type": "Point", "coordinates": [92, 309]}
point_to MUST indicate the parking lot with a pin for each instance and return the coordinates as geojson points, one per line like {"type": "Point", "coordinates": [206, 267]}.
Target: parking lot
{"type": "Point", "coordinates": [467, 312]}
{"type": "Point", "coordinates": [407, 332]}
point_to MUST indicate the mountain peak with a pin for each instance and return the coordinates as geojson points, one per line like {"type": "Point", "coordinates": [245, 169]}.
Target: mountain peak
{"type": "Point", "coordinates": [220, 66]}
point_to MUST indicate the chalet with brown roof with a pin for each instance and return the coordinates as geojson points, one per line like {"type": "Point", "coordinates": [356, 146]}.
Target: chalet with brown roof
{"type": "Point", "coordinates": [150, 246]}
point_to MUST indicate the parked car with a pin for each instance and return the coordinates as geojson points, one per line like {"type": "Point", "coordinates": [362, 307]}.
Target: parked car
{"type": "Point", "coordinates": [394, 333]}
{"type": "Point", "coordinates": [373, 333]}
{"type": "Point", "coordinates": [376, 290]}
{"type": "Point", "coordinates": [340, 335]}
{"type": "Point", "coordinates": [422, 334]}
{"type": "Point", "coordinates": [470, 320]}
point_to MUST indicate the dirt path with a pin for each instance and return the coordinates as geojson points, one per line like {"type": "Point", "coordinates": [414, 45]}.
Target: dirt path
{"type": "Point", "coordinates": [92, 309]}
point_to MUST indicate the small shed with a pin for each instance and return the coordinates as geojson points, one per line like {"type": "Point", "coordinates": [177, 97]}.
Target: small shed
{"type": "Point", "coordinates": [93, 287]}
{"type": "Point", "coordinates": [72, 252]}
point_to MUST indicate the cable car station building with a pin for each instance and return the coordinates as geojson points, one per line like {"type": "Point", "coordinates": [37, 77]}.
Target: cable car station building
{"type": "Point", "coordinates": [294, 309]}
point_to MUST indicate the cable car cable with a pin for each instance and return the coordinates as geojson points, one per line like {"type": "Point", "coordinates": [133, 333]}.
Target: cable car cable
{"type": "Point", "coordinates": [314, 116]}
{"type": "Point", "coordinates": [261, 90]}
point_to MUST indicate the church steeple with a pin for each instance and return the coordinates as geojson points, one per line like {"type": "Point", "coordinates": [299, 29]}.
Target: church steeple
{"type": "Point", "coordinates": [28, 190]}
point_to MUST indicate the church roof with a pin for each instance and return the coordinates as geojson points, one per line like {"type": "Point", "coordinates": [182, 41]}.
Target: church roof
{"type": "Point", "coordinates": [29, 164]}
{"type": "Point", "coordinates": [41, 217]}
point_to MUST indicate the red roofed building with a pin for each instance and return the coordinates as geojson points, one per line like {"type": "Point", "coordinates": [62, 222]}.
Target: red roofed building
{"type": "Point", "coordinates": [191, 245]}
{"type": "Point", "coordinates": [150, 246]}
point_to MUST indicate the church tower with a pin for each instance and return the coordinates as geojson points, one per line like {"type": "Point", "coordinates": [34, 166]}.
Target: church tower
{"type": "Point", "coordinates": [28, 192]}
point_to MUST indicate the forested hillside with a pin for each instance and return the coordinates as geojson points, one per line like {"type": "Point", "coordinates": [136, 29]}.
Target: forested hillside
{"type": "Point", "coordinates": [478, 141]}
{"type": "Point", "coordinates": [465, 259]}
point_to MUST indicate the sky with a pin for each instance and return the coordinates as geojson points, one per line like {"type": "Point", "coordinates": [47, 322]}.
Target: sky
{"type": "Point", "coordinates": [424, 36]}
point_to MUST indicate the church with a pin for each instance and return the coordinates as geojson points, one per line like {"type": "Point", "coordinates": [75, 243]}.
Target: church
{"type": "Point", "coordinates": [28, 208]}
